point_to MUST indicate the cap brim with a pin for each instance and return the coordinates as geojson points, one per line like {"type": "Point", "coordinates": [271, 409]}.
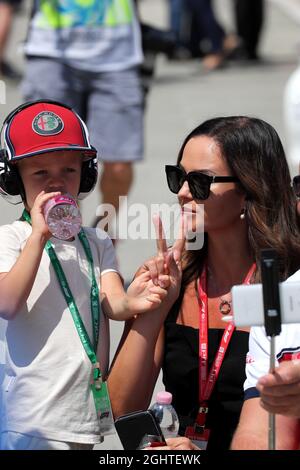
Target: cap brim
{"type": "Point", "coordinates": [88, 153]}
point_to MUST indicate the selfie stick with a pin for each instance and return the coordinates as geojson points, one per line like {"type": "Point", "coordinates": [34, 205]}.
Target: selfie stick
{"type": "Point", "coordinates": [272, 315]}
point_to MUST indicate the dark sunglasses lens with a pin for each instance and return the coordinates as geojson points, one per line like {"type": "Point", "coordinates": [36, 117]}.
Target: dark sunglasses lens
{"type": "Point", "coordinates": [199, 185]}
{"type": "Point", "coordinates": [296, 185]}
{"type": "Point", "coordinates": [175, 178]}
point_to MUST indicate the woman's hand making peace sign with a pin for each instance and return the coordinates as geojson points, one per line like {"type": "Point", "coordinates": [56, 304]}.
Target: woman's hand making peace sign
{"type": "Point", "coordinates": [165, 268]}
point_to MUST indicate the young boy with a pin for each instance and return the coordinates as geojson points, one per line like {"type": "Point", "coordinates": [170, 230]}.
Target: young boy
{"type": "Point", "coordinates": [56, 330]}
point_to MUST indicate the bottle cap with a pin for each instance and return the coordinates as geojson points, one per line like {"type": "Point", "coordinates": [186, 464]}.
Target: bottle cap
{"type": "Point", "coordinates": [165, 398]}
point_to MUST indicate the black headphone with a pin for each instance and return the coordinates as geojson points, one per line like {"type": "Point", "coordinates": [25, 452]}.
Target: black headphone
{"type": "Point", "coordinates": [11, 186]}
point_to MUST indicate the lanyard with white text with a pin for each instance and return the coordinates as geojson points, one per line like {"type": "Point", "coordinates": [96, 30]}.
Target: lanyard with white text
{"type": "Point", "coordinates": [208, 381]}
{"type": "Point", "coordinates": [99, 388]}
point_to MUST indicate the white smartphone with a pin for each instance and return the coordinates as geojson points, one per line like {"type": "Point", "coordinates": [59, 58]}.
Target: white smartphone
{"type": "Point", "coordinates": [248, 308]}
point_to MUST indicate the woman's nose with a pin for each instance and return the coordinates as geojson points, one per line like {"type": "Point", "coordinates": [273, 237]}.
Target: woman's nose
{"type": "Point", "coordinates": [184, 192]}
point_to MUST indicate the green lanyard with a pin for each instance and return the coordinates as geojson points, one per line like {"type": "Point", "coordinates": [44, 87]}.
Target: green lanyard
{"type": "Point", "coordinates": [95, 304]}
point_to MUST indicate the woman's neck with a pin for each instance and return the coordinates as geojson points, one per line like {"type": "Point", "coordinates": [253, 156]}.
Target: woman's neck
{"type": "Point", "coordinates": [228, 257]}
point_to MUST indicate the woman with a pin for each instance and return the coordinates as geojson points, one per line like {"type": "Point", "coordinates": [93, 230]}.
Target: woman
{"type": "Point", "coordinates": [252, 208]}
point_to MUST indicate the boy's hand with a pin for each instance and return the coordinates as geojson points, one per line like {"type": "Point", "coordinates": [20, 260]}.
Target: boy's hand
{"type": "Point", "coordinates": [143, 295]}
{"type": "Point", "coordinates": [39, 226]}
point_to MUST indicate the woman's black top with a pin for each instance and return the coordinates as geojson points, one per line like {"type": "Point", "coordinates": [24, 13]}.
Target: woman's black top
{"type": "Point", "coordinates": [180, 377]}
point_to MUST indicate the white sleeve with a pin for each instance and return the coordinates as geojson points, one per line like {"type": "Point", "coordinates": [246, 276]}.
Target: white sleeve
{"type": "Point", "coordinates": [9, 253]}
{"type": "Point", "coordinates": [108, 258]}
{"type": "Point", "coordinates": [10, 248]}
{"type": "Point", "coordinates": [103, 249]}
{"type": "Point", "coordinates": [257, 361]}
{"type": "Point", "coordinates": [3, 325]}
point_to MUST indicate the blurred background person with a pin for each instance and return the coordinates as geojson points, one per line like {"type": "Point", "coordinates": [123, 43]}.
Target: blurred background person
{"type": "Point", "coordinates": [205, 27]}
{"type": "Point", "coordinates": [176, 11]}
{"type": "Point", "coordinates": [7, 10]}
{"type": "Point", "coordinates": [199, 33]}
{"type": "Point", "coordinates": [87, 54]}
{"type": "Point", "coordinates": [179, 19]}
{"type": "Point", "coordinates": [249, 19]}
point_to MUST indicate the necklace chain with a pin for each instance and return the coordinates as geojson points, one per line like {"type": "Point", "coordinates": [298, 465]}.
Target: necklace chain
{"type": "Point", "coordinates": [224, 305]}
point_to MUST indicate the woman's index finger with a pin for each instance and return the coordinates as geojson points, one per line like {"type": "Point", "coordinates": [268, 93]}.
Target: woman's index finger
{"type": "Point", "coordinates": [178, 245]}
{"type": "Point", "coordinates": [160, 235]}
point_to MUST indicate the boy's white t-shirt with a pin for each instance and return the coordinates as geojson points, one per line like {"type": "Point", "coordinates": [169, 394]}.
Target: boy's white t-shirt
{"type": "Point", "coordinates": [46, 386]}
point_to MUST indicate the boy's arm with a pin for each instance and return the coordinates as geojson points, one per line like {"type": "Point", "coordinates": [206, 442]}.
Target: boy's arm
{"type": "Point", "coordinates": [112, 294]}
{"type": "Point", "coordinates": [16, 285]}
{"type": "Point", "coordinates": [119, 305]}
{"type": "Point", "coordinates": [252, 430]}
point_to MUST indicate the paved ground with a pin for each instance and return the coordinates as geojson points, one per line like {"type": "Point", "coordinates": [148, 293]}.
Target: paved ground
{"type": "Point", "coordinates": [181, 97]}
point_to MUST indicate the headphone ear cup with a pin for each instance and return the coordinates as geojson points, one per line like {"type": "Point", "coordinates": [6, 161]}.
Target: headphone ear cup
{"type": "Point", "coordinates": [2, 172]}
{"type": "Point", "coordinates": [10, 181]}
{"type": "Point", "coordinates": [89, 174]}
{"type": "Point", "coordinates": [14, 183]}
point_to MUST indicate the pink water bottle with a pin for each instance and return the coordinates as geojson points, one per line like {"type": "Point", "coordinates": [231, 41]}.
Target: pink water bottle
{"type": "Point", "coordinates": [62, 216]}
{"type": "Point", "coordinates": [165, 414]}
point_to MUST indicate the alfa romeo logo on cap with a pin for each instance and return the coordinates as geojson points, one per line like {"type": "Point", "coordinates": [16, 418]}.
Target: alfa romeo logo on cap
{"type": "Point", "coordinates": [47, 123]}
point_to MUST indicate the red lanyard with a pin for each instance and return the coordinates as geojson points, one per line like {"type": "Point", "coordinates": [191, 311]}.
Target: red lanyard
{"type": "Point", "coordinates": [207, 381]}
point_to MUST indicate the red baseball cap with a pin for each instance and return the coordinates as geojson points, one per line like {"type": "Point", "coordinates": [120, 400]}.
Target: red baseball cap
{"type": "Point", "coordinates": [44, 126]}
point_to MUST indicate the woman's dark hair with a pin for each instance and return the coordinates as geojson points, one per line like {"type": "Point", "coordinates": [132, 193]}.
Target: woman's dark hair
{"type": "Point", "coordinates": [254, 153]}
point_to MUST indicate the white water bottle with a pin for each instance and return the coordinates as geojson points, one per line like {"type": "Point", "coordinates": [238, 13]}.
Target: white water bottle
{"type": "Point", "coordinates": [165, 414]}
{"type": "Point", "coordinates": [62, 215]}
{"type": "Point", "coordinates": [291, 109]}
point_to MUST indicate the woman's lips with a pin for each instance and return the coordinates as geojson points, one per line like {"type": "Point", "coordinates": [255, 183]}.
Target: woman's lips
{"type": "Point", "coordinates": [187, 210]}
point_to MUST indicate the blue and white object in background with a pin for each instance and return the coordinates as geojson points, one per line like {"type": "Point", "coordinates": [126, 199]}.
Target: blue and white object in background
{"type": "Point", "coordinates": [291, 114]}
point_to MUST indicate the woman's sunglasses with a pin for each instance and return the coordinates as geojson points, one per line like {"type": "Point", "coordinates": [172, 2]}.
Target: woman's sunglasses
{"type": "Point", "coordinates": [199, 183]}
{"type": "Point", "coordinates": [296, 185]}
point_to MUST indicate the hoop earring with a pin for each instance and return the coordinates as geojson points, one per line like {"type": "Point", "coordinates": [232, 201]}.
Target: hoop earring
{"type": "Point", "coordinates": [243, 214]}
